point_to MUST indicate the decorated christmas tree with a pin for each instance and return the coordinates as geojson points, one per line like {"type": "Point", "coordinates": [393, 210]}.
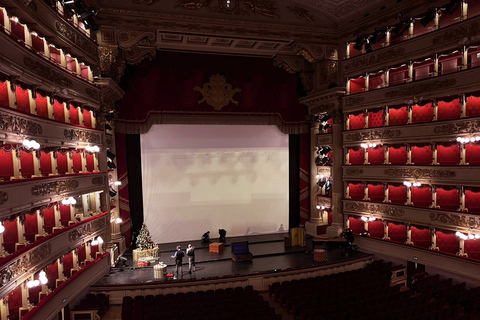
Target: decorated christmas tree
{"type": "Point", "coordinates": [144, 239]}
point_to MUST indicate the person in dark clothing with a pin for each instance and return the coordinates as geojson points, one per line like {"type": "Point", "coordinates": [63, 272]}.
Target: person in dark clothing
{"type": "Point", "coordinates": [178, 256]}
{"type": "Point", "coordinates": [223, 234]}
{"type": "Point", "coordinates": [206, 237]}
{"type": "Point", "coordinates": [191, 258]}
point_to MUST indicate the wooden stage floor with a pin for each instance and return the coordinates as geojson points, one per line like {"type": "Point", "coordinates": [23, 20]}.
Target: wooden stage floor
{"type": "Point", "coordinates": [269, 255]}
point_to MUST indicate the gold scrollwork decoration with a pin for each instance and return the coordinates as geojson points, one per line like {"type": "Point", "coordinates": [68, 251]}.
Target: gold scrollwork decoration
{"type": "Point", "coordinates": [420, 173]}
{"type": "Point", "coordinates": [3, 197]}
{"type": "Point", "coordinates": [417, 89]}
{"type": "Point", "coordinates": [458, 33]}
{"type": "Point", "coordinates": [354, 171]}
{"type": "Point", "coordinates": [376, 58]}
{"type": "Point", "coordinates": [87, 229]}
{"type": "Point", "coordinates": [57, 187]}
{"type": "Point", "coordinates": [40, 253]}
{"type": "Point", "coordinates": [459, 127]}
{"type": "Point", "coordinates": [374, 208]}
{"type": "Point", "coordinates": [19, 125]}
{"type": "Point", "coordinates": [73, 35]}
{"type": "Point", "coordinates": [80, 135]}
{"type": "Point", "coordinates": [98, 180]}
{"type": "Point", "coordinates": [453, 219]}
{"type": "Point", "coordinates": [47, 72]}
{"type": "Point", "coordinates": [217, 92]}
{"type": "Point", "coordinates": [373, 134]}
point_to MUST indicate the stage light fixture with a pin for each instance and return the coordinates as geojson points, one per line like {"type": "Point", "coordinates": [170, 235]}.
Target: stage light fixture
{"type": "Point", "coordinates": [108, 127]}
{"type": "Point", "coordinates": [109, 116]}
{"type": "Point", "coordinates": [324, 150]}
{"type": "Point", "coordinates": [359, 43]}
{"type": "Point", "coordinates": [111, 165]}
{"type": "Point", "coordinates": [110, 155]}
{"type": "Point", "coordinates": [428, 17]}
{"type": "Point", "coordinates": [112, 192]}
{"type": "Point", "coordinates": [2, 228]}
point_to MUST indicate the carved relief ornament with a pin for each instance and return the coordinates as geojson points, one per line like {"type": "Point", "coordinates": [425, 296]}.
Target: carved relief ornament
{"type": "Point", "coordinates": [57, 187]}
{"type": "Point", "coordinates": [87, 229]}
{"type": "Point", "coordinates": [420, 173]}
{"type": "Point", "coordinates": [463, 32]}
{"type": "Point", "coordinates": [73, 35]}
{"type": "Point", "coordinates": [353, 101]}
{"type": "Point", "coordinates": [454, 219]}
{"type": "Point", "coordinates": [373, 134]}
{"type": "Point", "coordinates": [291, 64]}
{"type": "Point", "coordinates": [47, 72]}
{"type": "Point", "coordinates": [374, 208]}
{"type": "Point", "coordinates": [217, 92]}
{"type": "Point", "coordinates": [420, 88]}
{"type": "Point", "coordinates": [459, 127]}
{"type": "Point", "coordinates": [137, 45]}
{"type": "Point", "coordinates": [311, 52]}
{"type": "Point", "coordinates": [353, 172]}
{"type": "Point", "coordinates": [237, 7]}
{"type": "Point", "coordinates": [19, 125]}
{"type": "Point", "coordinates": [83, 136]}
{"type": "Point", "coordinates": [3, 197]}
{"type": "Point", "coordinates": [376, 58]}
{"type": "Point", "coordinates": [98, 180]}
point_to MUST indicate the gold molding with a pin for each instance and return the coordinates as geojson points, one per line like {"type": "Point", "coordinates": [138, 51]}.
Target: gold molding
{"type": "Point", "coordinates": [19, 125]}
{"type": "Point", "coordinates": [353, 172]}
{"type": "Point", "coordinates": [87, 229]}
{"type": "Point", "coordinates": [57, 187]}
{"type": "Point", "coordinates": [374, 208]}
{"type": "Point", "coordinates": [454, 219]}
{"type": "Point", "coordinates": [422, 88]}
{"type": "Point", "coordinates": [373, 134]}
{"type": "Point", "coordinates": [217, 92]}
{"type": "Point", "coordinates": [459, 127]}
{"type": "Point", "coordinates": [80, 135]}
{"type": "Point", "coordinates": [420, 173]}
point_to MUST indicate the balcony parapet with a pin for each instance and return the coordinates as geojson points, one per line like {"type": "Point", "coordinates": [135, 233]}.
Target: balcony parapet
{"type": "Point", "coordinates": [434, 218]}
{"type": "Point", "coordinates": [16, 268]}
{"type": "Point", "coordinates": [25, 194]}
{"type": "Point", "coordinates": [18, 61]}
{"type": "Point", "coordinates": [438, 175]}
{"type": "Point", "coordinates": [419, 47]}
{"type": "Point", "coordinates": [436, 131]}
{"type": "Point", "coordinates": [440, 86]}
{"type": "Point", "coordinates": [50, 24]}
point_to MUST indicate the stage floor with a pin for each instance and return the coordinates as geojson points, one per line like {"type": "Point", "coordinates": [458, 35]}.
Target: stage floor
{"type": "Point", "coordinates": [269, 255]}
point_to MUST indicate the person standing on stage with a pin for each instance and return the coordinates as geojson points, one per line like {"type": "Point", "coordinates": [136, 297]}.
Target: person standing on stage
{"type": "Point", "coordinates": [178, 256]}
{"type": "Point", "coordinates": [191, 258]}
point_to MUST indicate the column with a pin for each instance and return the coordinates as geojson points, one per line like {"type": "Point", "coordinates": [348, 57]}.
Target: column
{"type": "Point", "coordinates": [387, 77]}
{"type": "Point", "coordinates": [435, 110]}
{"type": "Point", "coordinates": [66, 109]}
{"type": "Point", "coordinates": [365, 118]}
{"type": "Point", "coordinates": [433, 234]}
{"type": "Point", "coordinates": [56, 210]}
{"type": "Point", "coordinates": [365, 155]}
{"type": "Point", "coordinates": [434, 197]}
{"type": "Point", "coordinates": [88, 251]}
{"type": "Point", "coordinates": [32, 100]}
{"type": "Point", "coordinates": [464, 58]}
{"type": "Point", "coordinates": [409, 235]}
{"type": "Point", "coordinates": [434, 153]}
{"type": "Point", "coordinates": [50, 99]}
{"type": "Point", "coordinates": [386, 154]}
{"type": "Point", "coordinates": [94, 119]}
{"type": "Point", "coordinates": [72, 214]}
{"type": "Point", "coordinates": [387, 116]}
{"type": "Point", "coordinates": [365, 192]}
{"type": "Point", "coordinates": [387, 38]}
{"type": "Point", "coordinates": [411, 29]}
{"type": "Point", "coordinates": [410, 72]}
{"type": "Point", "coordinates": [53, 157]}
{"type": "Point", "coordinates": [464, 5]}
{"type": "Point", "coordinates": [462, 199]}
{"type": "Point", "coordinates": [95, 162]}
{"type": "Point", "coordinates": [385, 230]}
{"type": "Point", "coordinates": [21, 230]}
{"type": "Point", "coordinates": [36, 163]}
{"type": "Point", "coordinates": [367, 82]}
{"type": "Point", "coordinates": [435, 66]}
{"type": "Point", "coordinates": [12, 97]}
{"type": "Point", "coordinates": [40, 222]}
{"type": "Point", "coordinates": [2, 251]}
{"type": "Point", "coordinates": [385, 193]}
{"type": "Point", "coordinates": [81, 120]}
{"type": "Point", "coordinates": [436, 21]}
{"type": "Point", "coordinates": [3, 308]}
{"type": "Point", "coordinates": [463, 112]}
{"type": "Point", "coordinates": [17, 171]}
{"type": "Point", "coordinates": [75, 260]}
{"type": "Point", "coordinates": [409, 196]}
{"type": "Point", "coordinates": [84, 161]}
{"type": "Point", "coordinates": [337, 182]}
{"type": "Point", "coordinates": [70, 162]}
{"type": "Point", "coordinates": [463, 154]}
{"type": "Point", "coordinates": [461, 245]}
{"type": "Point", "coordinates": [347, 51]}
{"type": "Point", "coordinates": [409, 153]}
{"type": "Point", "coordinates": [348, 87]}
{"type": "Point", "coordinates": [61, 276]}
{"type": "Point", "coordinates": [24, 289]}
{"type": "Point", "coordinates": [409, 113]}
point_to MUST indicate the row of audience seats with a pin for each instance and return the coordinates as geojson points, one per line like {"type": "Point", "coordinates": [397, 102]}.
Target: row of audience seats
{"type": "Point", "coordinates": [231, 303]}
{"type": "Point", "coordinates": [367, 294]}
{"type": "Point", "coordinates": [99, 302]}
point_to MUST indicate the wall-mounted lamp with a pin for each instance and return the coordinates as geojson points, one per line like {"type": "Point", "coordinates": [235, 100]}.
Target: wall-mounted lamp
{"type": "Point", "coordinates": [468, 140]}
{"type": "Point", "coordinates": [2, 228]}
{"type": "Point", "coordinates": [118, 220]}
{"type": "Point", "coordinates": [411, 184]}
{"type": "Point", "coordinates": [364, 218]}
{"type": "Point", "coordinates": [92, 149]}
{"type": "Point", "coordinates": [368, 145]}
{"type": "Point", "coordinates": [99, 240]}
{"type": "Point", "coordinates": [69, 201]}
{"type": "Point", "coordinates": [31, 144]}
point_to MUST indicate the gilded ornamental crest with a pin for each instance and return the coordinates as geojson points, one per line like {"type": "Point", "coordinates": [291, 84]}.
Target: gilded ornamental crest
{"type": "Point", "coordinates": [217, 92]}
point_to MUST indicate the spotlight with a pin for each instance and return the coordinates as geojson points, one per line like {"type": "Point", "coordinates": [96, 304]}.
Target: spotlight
{"type": "Point", "coordinates": [428, 17]}
{"type": "Point", "coordinates": [108, 127]}
{"type": "Point", "coordinates": [109, 116]}
{"type": "Point", "coordinates": [324, 151]}
{"type": "Point", "coordinates": [326, 126]}
{"type": "Point", "coordinates": [359, 43]}
{"type": "Point", "coordinates": [111, 165]}
{"type": "Point", "coordinates": [110, 155]}
{"type": "Point", "coordinates": [112, 192]}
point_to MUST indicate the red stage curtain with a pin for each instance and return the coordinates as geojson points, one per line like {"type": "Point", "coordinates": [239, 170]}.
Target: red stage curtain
{"type": "Point", "coordinates": [376, 192]}
{"type": "Point", "coordinates": [449, 110]}
{"type": "Point", "coordinates": [356, 121]}
{"type": "Point", "coordinates": [397, 116]}
{"type": "Point", "coordinates": [67, 264]}
{"type": "Point", "coordinates": [422, 113]}
{"type": "Point", "coordinates": [90, 162]}
{"type": "Point", "coordinates": [87, 118]}
{"type": "Point", "coordinates": [448, 155]}
{"type": "Point", "coordinates": [472, 153]}
{"type": "Point", "coordinates": [357, 85]}
{"type": "Point", "coordinates": [48, 219]}
{"type": "Point", "coordinates": [472, 201]}
{"type": "Point", "coordinates": [376, 81]}
{"type": "Point", "coordinates": [376, 119]}
{"type": "Point", "coordinates": [6, 167]}
{"type": "Point", "coordinates": [4, 94]}
{"type": "Point", "coordinates": [472, 248]}
{"type": "Point", "coordinates": [356, 225]}
{"type": "Point", "coordinates": [14, 303]}
{"type": "Point", "coordinates": [422, 196]}
{"type": "Point", "coordinates": [448, 242]}
{"type": "Point", "coordinates": [23, 100]}
{"type": "Point", "coordinates": [397, 195]}
{"type": "Point", "coordinates": [448, 199]}
{"type": "Point", "coordinates": [421, 237]}
{"type": "Point", "coordinates": [74, 115]}
{"type": "Point", "coordinates": [59, 111]}
{"type": "Point", "coordinates": [31, 226]}
{"type": "Point", "coordinates": [62, 163]}
{"type": "Point", "coordinates": [26, 163]}
{"type": "Point", "coordinates": [33, 292]}
{"type": "Point", "coordinates": [375, 229]}
{"type": "Point", "coordinates": [376, 155]}
{"type": "Point", "coordinates": [77, 161]}
{"type": "Point", "coordinates": [52, 275]}
{"type": "Point", "coordinates": [422, 155]}
{"type": "Point", "coordinates": [124, 210]}
{"type": "Point", "coordinates": [356, 156]}
{"type": "Point", "coordinates": [356, 191]}
{"type": "Point", "coordinates": [45, 163]}
{"type": "Point", "coordinates": [64, 214]}
{"type": "Point", "coordinates": [397, 232]}
{"type": "Point", "coordinates": [473, 106]}
{"type": "Point", "coordinates": [397, 155]}
{"type": "Point", "coordinates": [42, 106]}
{"type": "Point", "coordinates": [10, 235]}
{"type": "Point", "coordinates": [82, 253]}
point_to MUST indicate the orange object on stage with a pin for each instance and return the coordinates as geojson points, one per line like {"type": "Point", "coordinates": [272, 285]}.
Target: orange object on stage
{"type": "Point", "coordinates": [216, 247]}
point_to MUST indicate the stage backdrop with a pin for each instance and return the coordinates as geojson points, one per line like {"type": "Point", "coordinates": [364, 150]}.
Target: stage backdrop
{"type": "Point", "coordinates": [198, 178]}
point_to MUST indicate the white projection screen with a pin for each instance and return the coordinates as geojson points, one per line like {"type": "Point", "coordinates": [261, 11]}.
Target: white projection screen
{"type": "Point", "coordinates": [199, 178]}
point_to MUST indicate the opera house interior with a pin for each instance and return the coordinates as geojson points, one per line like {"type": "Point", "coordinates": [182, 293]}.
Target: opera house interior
{"type": "Point", "coordinates": [334, 144]}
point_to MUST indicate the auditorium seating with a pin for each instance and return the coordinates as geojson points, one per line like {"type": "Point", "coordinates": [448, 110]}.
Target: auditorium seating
{"type": "Point", "coordinates": [230, 303]}
{"type": "Point", "coordinates": [368, 294]}
{"type": "Point", "coordinates": [97, 303]}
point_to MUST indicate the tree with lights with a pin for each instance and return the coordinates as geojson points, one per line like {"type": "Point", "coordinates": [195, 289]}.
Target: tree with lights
{"type": "Point", "coordinates": [144, 239]}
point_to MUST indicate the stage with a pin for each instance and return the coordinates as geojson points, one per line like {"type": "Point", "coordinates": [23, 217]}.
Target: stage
{"type": "Point", "coordinates": [270, 255]}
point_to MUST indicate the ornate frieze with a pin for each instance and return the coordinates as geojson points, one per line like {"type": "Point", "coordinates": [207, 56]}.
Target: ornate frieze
{"type": "Point", "coordinates": [374, 208]}
{"type": "Point", "coordinates": [420, 173]}
{"type": "Point", "coordinates": [326, 171]}
{"type": "Point", "coordinates": [83, 136]}
{"type": "Point", "coordinates": [323, 108]}
{"type": "Point", "coordinates": [19, 124]}
{"type": "Point", "coordinates": [292, 64]}
{"type": "Point", "coordinates": [311, 52]}
{"type": "Point", "coordinates": [217, 92]}
{"type": "Point", "coordinates": [373, 134]}
{"type": "Point", "coordinates": [307, 80]}
{"type": "Point", "coordinates": [460, 33]}
{"type": "Point", "coordinates": [353, 172]}
{"type": "Point", "coordinates": [420, 88]}
{"type": "Point", "coordinates": [73, 35]}
{"type": "Point", "coordinates": [98, 180]}
{"type": "Point", "coordinates": [3, 197]}
{"type": "Point", "coordinates": [47, 72]}
{"type": "Point", "coordinates": [375, 58]}
{"type": "Point", "coordinates": [57, 187]}
{"type": "Point", "coordinates": [266, 8]}
{"type": "Point", "coordinates": [352, 101]}
{"type": "Point", "coordinates": [94, 94]}
{"type": "Point", "coordinates": [459, 127]}
{"type": "Point", "coordinates": [87, 229]}
{"type": "Point", "coordinates": [301, 13]}
{"type": "Point", "coordinates": [455, 219]}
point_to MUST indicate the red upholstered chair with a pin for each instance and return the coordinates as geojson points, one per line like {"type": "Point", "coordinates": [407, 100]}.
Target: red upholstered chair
{"type": "Point", "coordinates": [4, 101]}
{"type": "Point", "coordinates": [14, 303]}
{"type": "Point", "coordinates": [26, 163]}
{"type": "Point", "coordinates": [65, 215]}
{"type": "Point", "coordinates": [421, 237]}
{"type": "Point", "coordinates": [356, 121]}
{"type": "Point", "coordinates": [376, 192]}
{"type": "Point", "coordinates": [397, 194]}
{"type": "Point", "coordinates": [397, 232]}
{"type": "Point", "coordinates": [52, 275]}
{"type": "Point", "coordinates": [31, 226]}
{"type": "Point", "coordinates": [448, 155]}
{"type": "Point", "coordinates": [375, 229]}
{"type": "Point", "coordinates": [90, 162]}
{"type": "Point", "coordinates": [59, 111]}
{"type": "Point", "coordinates": [48, 219]}
{"type": "Point", "coordinates": [472, 249]}
{"type": "Point", "coordinates": [397, 116]}
{"type": "Point", "coordinates": [77, 161]}
{"type": "Point", "coordinates": [6, 163]}
{"type": "Point", "coordinates": [45, 164]}
{"type": "Point", "coordinates": [397, 155]}
{"type": "Point", "coordinates": [422, 196]}
{"type": "Point", "coordinates": [87, 118]}
{"type": "Point", "coordinates": [42, 106]}
{"type": "Point", "coordinates": [472, 200]}
{"type": "Point", "coordinates": [422, 155]}
{"type": "Point", "coordinates": [376, 155]}
{"type": "Point", "coordinates": [82, 253]}
{"type": "Point", "coordinates": [356, 156]}
{"type": "Point", "coordinates": [356, 191]}
{"type": "Point", "coordinates": [10, 235]}
{"type": "Point", "coordinates": [422, 113]}
{"type": "Point", "coordinates": [473, 105]}
{"type": "Point", "coordinates": [67, 264]}
{"type": "Point", "coordinates": [74, 119]}
{"type": "Point", "coordinates": [472, 153]}
{"type": "Point", "coordinates": [449, 109]}
{"type": "Point", "coordinates": [448, 199]}
{"type": "Point", "coordinates": [62, 163]}
{"type": "Point", "coordinates": [356, 225]}
{"type": "Point", "coordinates": [376, 81]}
{"type": "Point", "coordinates": [447, 241]}
{"type": "Point", "coordinates": [23, 99]}
{"type": "Point", "coordinates": [357, 85]}
{"type": "Point", "coordinates": [376, 118]}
